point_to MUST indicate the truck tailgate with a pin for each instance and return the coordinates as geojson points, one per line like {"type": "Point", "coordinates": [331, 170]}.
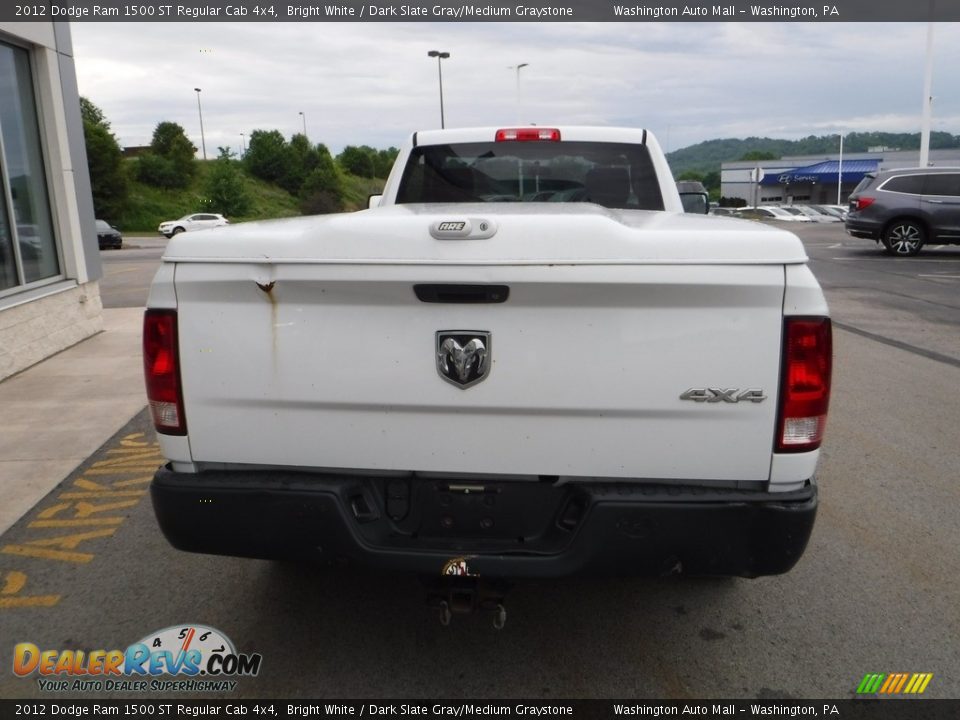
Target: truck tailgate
{"type": "Point", "coordinates": [334, 366]}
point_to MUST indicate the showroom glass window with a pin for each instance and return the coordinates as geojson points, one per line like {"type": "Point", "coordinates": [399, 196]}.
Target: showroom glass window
{"type": "Point", "coordinates": [28, 250]}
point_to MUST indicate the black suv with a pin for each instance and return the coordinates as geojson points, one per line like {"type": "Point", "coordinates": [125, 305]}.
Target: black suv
{"type": "Point", "coordinates": [907, 208]}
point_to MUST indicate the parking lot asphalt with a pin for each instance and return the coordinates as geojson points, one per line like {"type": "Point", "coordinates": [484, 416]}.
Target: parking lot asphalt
{"type": "Point", "coordinates": [58, 412]}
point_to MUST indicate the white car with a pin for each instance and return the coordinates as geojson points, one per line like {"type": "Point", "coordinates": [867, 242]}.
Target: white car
{"type": "Point", "coordinates": [811, 212]}
{"type": "Point", "coordinates": [772, 212]}
{"type": "Point", "coordinates": [725, 211]}
{"type": "Point", "coordinates": [838, 211]}
{"type": "Point", "coordinates": [196, 221]}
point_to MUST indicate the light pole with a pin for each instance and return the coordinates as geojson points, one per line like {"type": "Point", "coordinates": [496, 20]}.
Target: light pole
{"type": "Point", "coordinates": [840, 170]}
{"type": "Point", "coordinates": [926, 117]}
{"type": "Point", "coordinates": [440, 56]}
{"type": "Point", "coordinates": [519, 104]}
{"type": "Point", "coordinates": [304, 118]}
{"type": "Point", "coordinates": [243, 144]}
{"type": "Point", "coordinates": [203, 141]}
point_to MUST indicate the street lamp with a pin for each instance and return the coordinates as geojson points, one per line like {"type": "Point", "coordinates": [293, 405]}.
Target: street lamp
{"type": "Point", "coordinates": [519, 105]}
{"type": "Point", "coordinates": [840, 170]}
{"type": "Point", "coordinates": [927, 116]}
{"type": "Point", "coordinates": [440, 56]}
{"type": "Point", "coordinates": [304, 118]}
{"type": "Point", "coordinates": [203, 141]}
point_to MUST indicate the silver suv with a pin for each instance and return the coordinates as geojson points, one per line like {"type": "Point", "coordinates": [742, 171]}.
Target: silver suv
{"type": "Point", "coordinates": [907, 208]}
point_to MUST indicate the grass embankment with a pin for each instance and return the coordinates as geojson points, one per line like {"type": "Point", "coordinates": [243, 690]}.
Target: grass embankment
{"type": "Point", "coordinates": [148, 206]}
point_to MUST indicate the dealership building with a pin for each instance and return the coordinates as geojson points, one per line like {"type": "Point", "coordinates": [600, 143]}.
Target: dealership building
{"type": "Point", "coordinates": [49, 258]}
{"type": "Point", "coordinates": [816, 179]}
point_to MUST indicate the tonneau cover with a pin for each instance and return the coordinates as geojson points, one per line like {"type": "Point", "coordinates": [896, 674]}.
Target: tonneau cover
{"type": "Point", "coordinates": [526, 234]}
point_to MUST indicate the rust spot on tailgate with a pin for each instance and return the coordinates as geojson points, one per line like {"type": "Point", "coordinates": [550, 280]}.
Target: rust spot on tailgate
{"type": "Point", "coordinates": [267, 288]}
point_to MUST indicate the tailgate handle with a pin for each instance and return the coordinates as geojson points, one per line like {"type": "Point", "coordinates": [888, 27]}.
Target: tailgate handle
{"type": "Point", "coordinates": [462, 294]}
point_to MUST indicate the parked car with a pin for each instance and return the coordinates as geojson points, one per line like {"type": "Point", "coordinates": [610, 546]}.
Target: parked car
{"type": "Point", "coordinates": [812, 213]}
{"type": "Point", "coordinates": [906, 208]}
{"type": "Point", "coordinates": [108, 236]}
{"type": "Point", "coordinates": [725, 211]}
{"type": "Point", "coordinates": [196, 221]}
{"type": "Point", "coordinates": [797, 213]}
{"type": "Point", "coordinates": [838, 211]}
{"type": "Point", "coordinates": [771, 212]}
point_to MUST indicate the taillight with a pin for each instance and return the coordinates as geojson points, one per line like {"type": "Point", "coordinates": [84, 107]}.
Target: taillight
{"type": "Point", "coordinates": [805, 383]}
{"type": "Point", "coordinates": [161, 369]}
{"type": "Point", "coordinates": [863, 202]}
{"type": "Point", "coordinates": [528, 134]}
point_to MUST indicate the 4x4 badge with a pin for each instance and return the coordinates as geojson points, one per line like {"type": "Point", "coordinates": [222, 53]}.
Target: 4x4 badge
{"type": "Point", "coordinates": [729, 395]}
{"type": "Point", "coordinates": [463, 356]}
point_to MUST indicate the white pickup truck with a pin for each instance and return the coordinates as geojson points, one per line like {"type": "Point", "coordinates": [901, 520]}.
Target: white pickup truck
{"type": "Point", "coordinates": [524, 360]}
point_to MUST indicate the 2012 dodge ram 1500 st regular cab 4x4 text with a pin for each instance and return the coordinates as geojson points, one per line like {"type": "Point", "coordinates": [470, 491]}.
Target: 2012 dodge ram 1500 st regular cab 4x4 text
{"type": "Point", "coordinates": [522, 361]}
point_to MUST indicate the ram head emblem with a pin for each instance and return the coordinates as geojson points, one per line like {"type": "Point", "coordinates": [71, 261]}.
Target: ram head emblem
{"type": "Point", "coordinates": [463, 356]}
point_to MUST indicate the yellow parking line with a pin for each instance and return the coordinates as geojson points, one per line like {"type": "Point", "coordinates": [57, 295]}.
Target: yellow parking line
{"type": "Point", "coordinates": [14, 583]}
{"type": "Point", "coordinates": [112, 493]}
{"type": "Point", "coordinates": [31, 601]}
{"type": "Point", "coordinates": [85, 506]}
{"type": "Point", "coordinates": [76, 523]}
{"type": "Point", "coordinates": [44, 553]}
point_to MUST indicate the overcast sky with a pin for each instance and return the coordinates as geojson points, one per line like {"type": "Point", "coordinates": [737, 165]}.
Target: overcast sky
{"type": "Point", "coordinates": [373, 84]}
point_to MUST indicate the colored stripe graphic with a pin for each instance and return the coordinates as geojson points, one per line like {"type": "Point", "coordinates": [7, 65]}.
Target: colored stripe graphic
{"type": "Point", "coordinates": [894, 683]}
{"type": "Point", "coordinates": [870, 683]}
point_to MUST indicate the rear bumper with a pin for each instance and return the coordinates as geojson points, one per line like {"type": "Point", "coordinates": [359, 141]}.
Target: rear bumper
{"type": "Point", "coordinates": [863, 229]}
{"type": "Point", "coordinates": [503, 529]}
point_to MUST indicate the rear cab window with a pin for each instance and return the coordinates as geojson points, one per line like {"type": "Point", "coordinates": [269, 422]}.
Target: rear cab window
{"type": "Point", "coordinates": [615, 175]}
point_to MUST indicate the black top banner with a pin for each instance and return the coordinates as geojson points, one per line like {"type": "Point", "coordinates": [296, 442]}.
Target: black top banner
{"type": "Point", "coordinates": [480, 11]}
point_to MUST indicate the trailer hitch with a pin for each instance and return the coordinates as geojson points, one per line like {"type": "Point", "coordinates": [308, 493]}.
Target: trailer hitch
{"type": "Point", "coordinates": [458, 595]}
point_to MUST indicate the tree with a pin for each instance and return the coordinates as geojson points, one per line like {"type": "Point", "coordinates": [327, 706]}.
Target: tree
{"type": "Point", "coordinates": [385, 160]}
{"type": "Point", "coordinates": [92, 114]}
{"type": "Point", "coordinates": [266, 155]}
{"type": "Point", "coordinates": [758, 155]}
{"type": "Point", "coordinates": [225, 190]}
{"type": "Point", "coordinates": [711, 180]}
{"type": "Point", "coordinates": [300, 160]}
{"type": "Point", "coordinates": [365, 161]}
{"type": "Point", "coordinates": [170, 141]}
{"type": "Point", "coordinates": [359, 161]}
{"type": "Point", "coordinates": [322, 190]}
{"type": "Point", "coordinates": [170, 162]}
{"type": "Point", "coordinates": [108, 180]}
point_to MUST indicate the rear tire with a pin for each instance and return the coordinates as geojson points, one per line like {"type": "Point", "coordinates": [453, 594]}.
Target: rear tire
{"type": "Point", "coordinates": [904, 238]}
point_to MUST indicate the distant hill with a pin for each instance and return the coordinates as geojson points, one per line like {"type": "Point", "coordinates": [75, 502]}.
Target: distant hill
{"type": "Point", "coordinates": [148, 206]}
{"type": "Point", "coordinates": [706, 157]}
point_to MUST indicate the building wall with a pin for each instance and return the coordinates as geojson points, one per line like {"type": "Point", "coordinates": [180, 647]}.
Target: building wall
{"type": "Point", "coordinates": [49, 258]}
{"type": "Point", "coordinates": [735, 177]}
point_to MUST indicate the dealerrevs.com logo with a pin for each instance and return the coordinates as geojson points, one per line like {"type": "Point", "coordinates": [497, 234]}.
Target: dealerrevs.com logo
{"type": "Point", "coordinates": [197, 657]}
